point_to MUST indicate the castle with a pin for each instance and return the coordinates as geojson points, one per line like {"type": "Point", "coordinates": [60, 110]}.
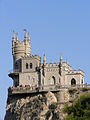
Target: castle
{"type": "Point", "coordinates": [29, 71]}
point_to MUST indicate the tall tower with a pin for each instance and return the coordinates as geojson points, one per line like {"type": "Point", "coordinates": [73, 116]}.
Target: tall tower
{"type": "Point", "coordinates": [20, 49]}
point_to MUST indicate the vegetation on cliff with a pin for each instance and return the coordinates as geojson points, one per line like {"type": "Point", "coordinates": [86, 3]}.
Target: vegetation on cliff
{"type": "Point", "coordinates": [80, 109]}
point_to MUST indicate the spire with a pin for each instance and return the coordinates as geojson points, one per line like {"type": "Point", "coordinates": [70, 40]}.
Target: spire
{"type": "Point", "coordinates": [25, 38]}
{"type": "Point", "coordinates": [13, 38]}
{"type": "Point", "coordinates": [60, 59]}
{"type": "Point", "coordinates": [44, 59]}
{"type": "Point", "coordinates": [28, 37]}
{"type": "Point", "coordinates": [16, 37]}
{"type": "Point", "coordinates": [13, 43]}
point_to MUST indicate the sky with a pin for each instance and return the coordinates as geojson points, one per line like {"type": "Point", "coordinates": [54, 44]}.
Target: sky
{"type": "Point", "coordinates": [55, 26]}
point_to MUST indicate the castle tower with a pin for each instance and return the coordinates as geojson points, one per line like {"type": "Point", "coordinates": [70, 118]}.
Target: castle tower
{"type": "Point", "coordinates": [20, 49]}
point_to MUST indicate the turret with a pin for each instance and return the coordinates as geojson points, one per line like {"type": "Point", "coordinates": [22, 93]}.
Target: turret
{"type": "Point", "coordinates": [20, 49]}
{"type": "Point", "coordinates": [25, 38]}
{"type": "Point", "coordinates": [61, 59]}
{"type": "Point", "coordinates": [28, 37]}
{"type": "Point", "coordinates": [60, 65]}
{"type": "Point", "coordinates": [17, 38]}
{"type": "Point", "coordinates": [13, 42]}
{"type": "Point", "coordinates": [44, 64]}
{"type": "Point", "coordinates": [44, 59]}
{"type": "Point", "coordinates": [29, 42]}
{"type": "Point", "coordinates": [25, 42]}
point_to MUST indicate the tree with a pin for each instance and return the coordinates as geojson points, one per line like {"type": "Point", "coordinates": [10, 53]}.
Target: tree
{"type": "Point", "coordinates": [79, 110]}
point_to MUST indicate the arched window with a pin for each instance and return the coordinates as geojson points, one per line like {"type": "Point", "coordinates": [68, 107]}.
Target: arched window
{"type": "Point", "coordinates": [26, 65]}
{"type": "Point", "coordinates": [53, 80]}
{"type": "Point", "coordinates": [73, 82]}
{"type": "Point", "coordinates": [31, 65]}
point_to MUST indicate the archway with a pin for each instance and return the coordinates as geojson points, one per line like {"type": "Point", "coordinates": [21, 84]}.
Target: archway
{"type": "Point", "coordinates": [53, 80]}
{"type": "Point", "coordinates": [73, 82]}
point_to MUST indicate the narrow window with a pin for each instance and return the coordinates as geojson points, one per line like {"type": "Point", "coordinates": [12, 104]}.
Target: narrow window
{"type": "Point", "coordinates": [16, 65]}
{"type": "Point", "coordinates": [82, 81]}
{"type": "Point", "coordinates": [73, 82]}
{"type": "Point", "coordinates": [26, 65]}
{"type": "Point", "coordinates": [30, 65]}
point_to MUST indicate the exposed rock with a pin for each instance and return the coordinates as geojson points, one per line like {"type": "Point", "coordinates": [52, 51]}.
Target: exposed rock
{"type": "Point", "coordinates": [51, 98]}
{"type": "Point", "coordinates": [40, 106]}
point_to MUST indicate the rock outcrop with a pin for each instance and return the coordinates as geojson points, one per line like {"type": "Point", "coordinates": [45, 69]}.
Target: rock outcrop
{"type": "Point", "coordinates": [40, 106]}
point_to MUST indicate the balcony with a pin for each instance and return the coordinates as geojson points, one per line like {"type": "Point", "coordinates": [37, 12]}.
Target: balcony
{"type": "Point", "coordinates": [14, 72]}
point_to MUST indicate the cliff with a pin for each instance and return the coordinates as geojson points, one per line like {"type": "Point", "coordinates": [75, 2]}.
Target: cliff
{"type": "Point", "coordinates": [40, 105]}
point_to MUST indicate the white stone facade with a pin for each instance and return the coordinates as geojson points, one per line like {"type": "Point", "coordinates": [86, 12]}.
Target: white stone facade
{"type": "Point", "coordinates": [28, 70]}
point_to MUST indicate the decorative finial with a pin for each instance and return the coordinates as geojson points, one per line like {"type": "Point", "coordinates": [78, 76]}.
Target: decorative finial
{"type": "Point", "coordinates": [25, 35]}
{"type": "Point", "coordinates": [16, 37]}
{"type": "Point", "coordinates": [60, 59]}
{"type": "Point", "coordinates": [44, 59]}
{"type": "Point", "coordinates": [13, 38]}
{"type": "Point", "coordinates": [28, 37]}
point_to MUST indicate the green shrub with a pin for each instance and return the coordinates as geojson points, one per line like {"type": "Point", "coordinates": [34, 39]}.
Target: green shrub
{"type": "Point", "coordinates": [80, 110]}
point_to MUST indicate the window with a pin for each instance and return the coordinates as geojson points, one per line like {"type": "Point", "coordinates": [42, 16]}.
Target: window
{"type": "Point", "coordinates": [26, 65]}
{"type": "Point", "coordinates": [30, 65]}
{"type": "Point", "coordinates": [73, 82]}
{"type": "Point", "coordinates": [52, 80]}
{"type": "Point", "coordinates": [82, 81]}
{"type": "Point", "coordinates": [16, 65]}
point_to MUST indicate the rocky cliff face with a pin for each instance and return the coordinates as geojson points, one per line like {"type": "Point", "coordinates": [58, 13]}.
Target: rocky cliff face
{"type": "Point", "coordinates": [39, 106]}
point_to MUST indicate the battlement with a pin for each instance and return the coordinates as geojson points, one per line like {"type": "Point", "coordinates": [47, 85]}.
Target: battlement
{"type": "Point", "coordinates": [52, 64]}
{"type": "Point", "coordinates": [78, 72]}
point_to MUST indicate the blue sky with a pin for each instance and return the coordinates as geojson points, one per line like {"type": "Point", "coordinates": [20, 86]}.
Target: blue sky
{"type": "Point", "coordinates": [55, 26]}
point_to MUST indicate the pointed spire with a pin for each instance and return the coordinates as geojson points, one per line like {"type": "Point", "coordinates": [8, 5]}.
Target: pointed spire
{"type": "Point", "coordinates": [13, 38]}
{"type": "Point", "coordinates": [60, 59]}
{"type": "Point", "coordinates": [25, 38]}
{"type": "Point", "coordinates": [44, 59]}
{"type": "Point", "coordinates": [28, 37]}
{"type": "Point", "coordinates": [16, 37]}
{"type": "Point", "coordinates": [13, 43]}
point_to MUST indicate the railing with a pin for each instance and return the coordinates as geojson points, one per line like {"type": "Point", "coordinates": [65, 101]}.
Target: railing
{"type": "Point", "coordinates": [33, 89]}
